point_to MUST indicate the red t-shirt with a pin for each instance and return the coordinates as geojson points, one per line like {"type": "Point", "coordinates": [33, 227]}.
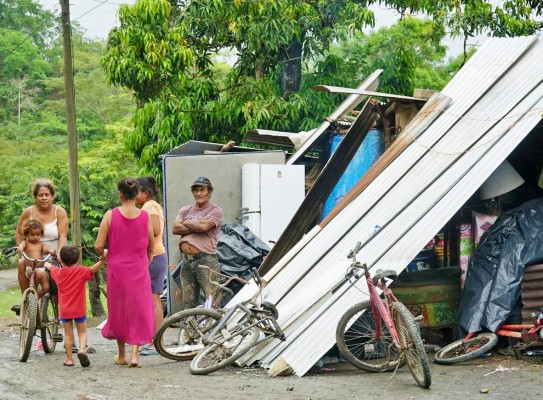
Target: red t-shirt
{"type": "Point", "coordinates": [72, 299]}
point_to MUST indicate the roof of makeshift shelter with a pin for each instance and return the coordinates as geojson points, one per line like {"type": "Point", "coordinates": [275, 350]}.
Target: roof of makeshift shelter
{"type": "Point", "coordinates": [441, 158]}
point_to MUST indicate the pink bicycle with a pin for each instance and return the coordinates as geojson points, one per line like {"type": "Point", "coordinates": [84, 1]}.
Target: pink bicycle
{"type": "Point", "coordinates": [381, 334]}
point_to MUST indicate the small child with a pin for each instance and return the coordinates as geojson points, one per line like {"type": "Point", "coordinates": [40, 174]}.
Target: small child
{"type": "Point", "coordinates": [72, 299]}
{"type": "Point", "coordinates": [33, 231]}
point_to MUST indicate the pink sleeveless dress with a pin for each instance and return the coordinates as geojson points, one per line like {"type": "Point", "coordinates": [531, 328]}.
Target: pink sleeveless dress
{"type": "Point", "coordinates": [131, 316]}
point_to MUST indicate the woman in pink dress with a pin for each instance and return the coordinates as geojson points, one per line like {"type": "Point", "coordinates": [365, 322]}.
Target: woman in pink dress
{"type": "Point", "coordinates": [128, 232]}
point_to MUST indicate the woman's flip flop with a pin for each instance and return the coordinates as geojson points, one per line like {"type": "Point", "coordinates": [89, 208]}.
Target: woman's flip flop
{"type": "Point", "coordinates": [118, 362]}
{"type": "Point", "coordinates": [67, 364]}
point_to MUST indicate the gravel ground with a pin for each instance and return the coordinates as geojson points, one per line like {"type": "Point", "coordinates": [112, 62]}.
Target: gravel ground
{"type": "Point", "coordinates": [44, 377]}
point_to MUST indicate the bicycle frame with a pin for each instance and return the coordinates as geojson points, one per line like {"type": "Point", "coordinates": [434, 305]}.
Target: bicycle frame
{"type": "Point", "coordinates": [378, 307]}
{"type": "Point", "coordinates": [260, 317]}
{"type": "Point", "coordinates": [527, 331]}
{"type": "Point", "coordinates": [392, 326]}
{"type": "Point", "coordinates": [32, 277]}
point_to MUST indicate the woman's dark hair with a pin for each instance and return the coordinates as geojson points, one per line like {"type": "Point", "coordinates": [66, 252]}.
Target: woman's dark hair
{"type": "Point", "coordinates": [69, 254]}
{"type": "Point", "coordinates": [32, 224]}
{"type": "Point", "coordinates": [129, 188]}
{"type": "Point", "coordinates": [39, 183]}
{"type": "Point", "coordinates": [148, 185]}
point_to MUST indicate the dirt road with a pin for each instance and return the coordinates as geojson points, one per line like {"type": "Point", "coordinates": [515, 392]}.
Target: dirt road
{"type": "Point", "coordinates": [44, 377]}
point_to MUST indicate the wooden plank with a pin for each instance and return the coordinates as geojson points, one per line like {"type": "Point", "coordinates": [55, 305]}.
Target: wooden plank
{"type": "Point", "coordinates": [369, 93]}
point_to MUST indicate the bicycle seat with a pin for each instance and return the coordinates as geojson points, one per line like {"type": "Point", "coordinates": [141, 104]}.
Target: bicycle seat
{"type": "Point", "coordinates": [384, 274]}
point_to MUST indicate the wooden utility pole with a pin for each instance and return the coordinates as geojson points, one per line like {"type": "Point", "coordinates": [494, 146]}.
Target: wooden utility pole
{"type": "Point", "coordinates": [75, 211]}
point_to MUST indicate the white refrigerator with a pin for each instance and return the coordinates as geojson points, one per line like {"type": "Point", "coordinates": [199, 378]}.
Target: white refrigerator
{"type": "Point", "coordinates": [270, 195]}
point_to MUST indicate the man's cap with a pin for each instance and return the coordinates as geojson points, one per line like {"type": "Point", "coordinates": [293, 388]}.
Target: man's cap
{"type": "Point", "coordinates": [201, 181]}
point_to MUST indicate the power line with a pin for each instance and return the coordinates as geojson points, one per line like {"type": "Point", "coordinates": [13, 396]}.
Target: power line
{"type": "Point", "coordinates": [117, 4]}
{"type": "Point", "coordinates": [92, 9]}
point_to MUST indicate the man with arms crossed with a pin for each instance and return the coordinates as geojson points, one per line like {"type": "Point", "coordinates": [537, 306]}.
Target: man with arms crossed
{"type": "Point", "coordinates": [199, 225]}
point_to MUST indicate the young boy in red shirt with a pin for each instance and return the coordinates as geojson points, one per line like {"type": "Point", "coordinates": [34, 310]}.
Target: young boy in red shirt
{"type": "Point", "coordinates": [71, 280]}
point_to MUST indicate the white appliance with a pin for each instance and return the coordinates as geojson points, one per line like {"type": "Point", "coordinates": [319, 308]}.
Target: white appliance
{"type": "Point", "coordinates": [270, 195]}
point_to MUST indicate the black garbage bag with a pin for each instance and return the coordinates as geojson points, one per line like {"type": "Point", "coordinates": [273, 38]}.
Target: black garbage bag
{"type": "Point", "coordinates": [493, 280]}
{"type": "Point", "coordinates": [239, 250]}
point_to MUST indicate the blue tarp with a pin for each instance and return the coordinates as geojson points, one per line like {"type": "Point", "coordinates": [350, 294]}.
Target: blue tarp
{"type": "Point", "coordinates": [493, 280]}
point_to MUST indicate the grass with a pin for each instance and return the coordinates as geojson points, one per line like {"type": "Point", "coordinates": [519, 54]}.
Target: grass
{"type": "Point", "coordinates": [8, 298]}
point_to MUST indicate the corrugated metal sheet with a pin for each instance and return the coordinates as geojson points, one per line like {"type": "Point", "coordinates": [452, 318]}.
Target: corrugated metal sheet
{"type": "Point", "coordinates": [495, 99]}
{"type": "Point", "coordinates": [532, 293]}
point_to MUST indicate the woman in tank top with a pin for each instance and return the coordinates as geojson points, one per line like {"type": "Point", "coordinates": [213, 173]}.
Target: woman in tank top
{"type": "Point", "coordinates": [158, 268]}
{"type": "Point", "coordinates": [53, 217]}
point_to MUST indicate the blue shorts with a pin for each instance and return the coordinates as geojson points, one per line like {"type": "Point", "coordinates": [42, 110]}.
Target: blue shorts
{"type": "Point", "coordinates": [158, 270]}
{"type": "Point", "coordinates": [81, 319]}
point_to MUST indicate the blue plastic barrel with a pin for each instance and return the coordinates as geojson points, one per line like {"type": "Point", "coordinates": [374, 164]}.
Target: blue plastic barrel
{"type": "Point", "coordinates": [369, 151]}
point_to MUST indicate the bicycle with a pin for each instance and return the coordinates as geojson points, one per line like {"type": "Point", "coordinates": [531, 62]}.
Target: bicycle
{"type": "Point", "coordinates": [380, 334]}
{"type": "Point", "coordinates": [43, 317]}
{"type": "Point", "coordinates": [179, 337]}
{"type": "Point", "coordinates": [474, 345]}
{"type": "Point", "coordinates": [244, 326]}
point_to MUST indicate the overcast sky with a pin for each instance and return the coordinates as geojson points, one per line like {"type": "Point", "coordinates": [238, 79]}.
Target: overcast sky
{"type": "Point", "coordinates": [98, 17]}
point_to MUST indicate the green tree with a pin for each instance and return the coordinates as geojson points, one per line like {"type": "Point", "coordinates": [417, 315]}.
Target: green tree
{"type": "Point", "coordinates": [30, 19]}
{"type": "Point", "coordinates": [20, 61]}
{"type": "Point", "coordinates": [402, 51]}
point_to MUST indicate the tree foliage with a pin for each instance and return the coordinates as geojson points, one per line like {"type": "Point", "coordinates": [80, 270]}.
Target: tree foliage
{"type": "Point", "coordinates": [165, 52]}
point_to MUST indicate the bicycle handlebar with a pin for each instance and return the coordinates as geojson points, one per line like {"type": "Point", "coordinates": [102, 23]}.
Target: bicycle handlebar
{"type": "Point", "coordinates": [228, 280]}
{"type": "Point", "coordinates": [355, 251]}
{"type": "Point", "coordinates": [34, 259]}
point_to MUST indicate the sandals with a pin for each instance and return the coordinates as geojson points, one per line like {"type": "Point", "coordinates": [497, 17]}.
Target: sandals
{"type": "Point", "coordinates": [119, 362]}
{"type": "Point", "coordinates": [66, 363]}
{"type": "Point", "coordinates": [148, 351]}
{"type": "Point", "coordinates": [83, 359]}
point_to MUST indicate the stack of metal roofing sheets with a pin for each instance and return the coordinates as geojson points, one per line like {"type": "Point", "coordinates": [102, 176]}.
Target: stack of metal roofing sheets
{"type": "Point", "coordinates": [495, 101]}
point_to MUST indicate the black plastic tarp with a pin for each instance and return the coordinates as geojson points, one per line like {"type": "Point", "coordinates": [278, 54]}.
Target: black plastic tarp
{"type": "Point", "coordinates": [239, 250]}
{"type": "Point", "coordinates": [492, 285]}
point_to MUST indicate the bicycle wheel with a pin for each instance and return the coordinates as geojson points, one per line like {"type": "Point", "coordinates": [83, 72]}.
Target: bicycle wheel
{"type": "Point", "coordinates": [461, 350]}
{"type": "Point", "coordinates": [221, 352]}
{"type": "Point", "coordinates": [180, 336]}
{"type": "Point", "coordinates": [412, 346]}
{"type": "Point", "coordinates": [49, 322]}
{"type": "Point", "coordinates": [29, 310]}
{"type": "Point", "coordinates": [361, 345]}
